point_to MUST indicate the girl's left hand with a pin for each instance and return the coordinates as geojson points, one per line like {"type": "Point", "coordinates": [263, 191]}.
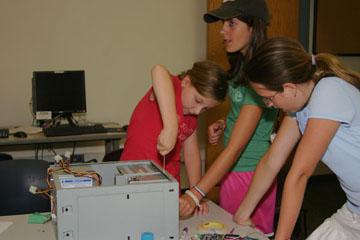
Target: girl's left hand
{"type": "Point", "coordinates": [214, 132]}
{"type": "Point", "coordinates": [203, 210]}
{"type": "Point", "coordinates": [167, 140]}
{"type": "Point", "coordinates": [243, 222]}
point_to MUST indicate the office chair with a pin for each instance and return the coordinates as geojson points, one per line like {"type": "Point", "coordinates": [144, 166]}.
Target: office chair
{"type": "Point", "coordinates": [5, 156]}
{"type": "Point", "coordinates": [113, 156]}
{"type": "Point", "coordinates": [116, 154]}
{"type": "Point", "coordinates": [16, 176]}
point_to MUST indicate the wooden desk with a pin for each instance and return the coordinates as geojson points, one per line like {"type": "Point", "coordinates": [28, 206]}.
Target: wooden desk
{"type": "Point", "coordinates": [20, 229]}
{"type": "Point", "coordinates": [112, 139]}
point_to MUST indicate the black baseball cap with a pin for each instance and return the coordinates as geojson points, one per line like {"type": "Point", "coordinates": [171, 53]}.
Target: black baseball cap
{"type": "Point", "coordinates": [235, 8]}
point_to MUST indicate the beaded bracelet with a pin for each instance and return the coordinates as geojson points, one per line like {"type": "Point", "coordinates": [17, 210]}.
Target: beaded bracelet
{"type": "Point", "coordinates": [201, 192]}
{"type": "Point", "coordinates": [196, 200]}
{"type": "Point", "coordinates": [223, 122]}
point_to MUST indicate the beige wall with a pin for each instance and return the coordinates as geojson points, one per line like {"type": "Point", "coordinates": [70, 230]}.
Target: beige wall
{"type": "Point", "coordinates": [115, 41]}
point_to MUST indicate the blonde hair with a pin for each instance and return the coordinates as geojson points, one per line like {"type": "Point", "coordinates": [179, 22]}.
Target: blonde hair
{"type": "Point", "coordinates": [281, 60]}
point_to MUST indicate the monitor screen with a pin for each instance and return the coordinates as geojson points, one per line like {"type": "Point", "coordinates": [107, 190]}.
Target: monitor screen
{"type": "Point", "coordinates": [59, 92]}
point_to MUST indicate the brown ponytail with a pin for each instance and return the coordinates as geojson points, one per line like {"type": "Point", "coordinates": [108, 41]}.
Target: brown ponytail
{"type": "Point", "coordinates": [281, 60]}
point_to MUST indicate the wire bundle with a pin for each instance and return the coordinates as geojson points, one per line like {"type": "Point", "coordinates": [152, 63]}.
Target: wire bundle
{"type": "Point", "coordinates": [64, 166]}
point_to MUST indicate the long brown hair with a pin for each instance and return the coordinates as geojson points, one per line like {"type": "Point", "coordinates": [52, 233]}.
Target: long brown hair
{"type": "Point", "coordinates": [258, 36]}
{"type": "Point", "coordinates": [281, 60]}
{"type": "Point", "coordinates": [209, 79]}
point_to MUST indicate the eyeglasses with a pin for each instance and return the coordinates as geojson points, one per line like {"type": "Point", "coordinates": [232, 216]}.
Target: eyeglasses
{"type": "Point", "coordinates": [268, 100]}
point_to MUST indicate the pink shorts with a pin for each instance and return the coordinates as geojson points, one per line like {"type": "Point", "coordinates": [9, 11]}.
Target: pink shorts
{"type": "Point", "coordinates": [234, 187]}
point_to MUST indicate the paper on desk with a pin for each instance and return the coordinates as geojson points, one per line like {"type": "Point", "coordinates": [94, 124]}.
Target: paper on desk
{"type": "Point", "coordinates": [113, 127]}
{"type": "Point", "coordinates": [26, 129]}
{"type": "Point", "coordinates": [4, 226]}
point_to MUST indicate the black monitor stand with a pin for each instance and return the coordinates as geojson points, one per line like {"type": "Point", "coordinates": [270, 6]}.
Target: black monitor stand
{"type": "Point", "coordinates": [69, 118]}
{"type": "Point", "coordinates": [57, 119]}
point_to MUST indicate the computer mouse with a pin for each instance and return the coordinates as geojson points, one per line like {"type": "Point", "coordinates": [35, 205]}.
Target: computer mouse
{"type": "Point", "coordinates": [20, 134]}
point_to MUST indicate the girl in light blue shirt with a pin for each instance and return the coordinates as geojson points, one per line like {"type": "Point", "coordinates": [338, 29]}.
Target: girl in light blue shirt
{"type": "Point", "coordinates": [322, 98]}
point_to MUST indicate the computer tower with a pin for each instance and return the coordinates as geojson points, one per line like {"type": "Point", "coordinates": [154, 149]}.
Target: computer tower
{"type": "Point", "coordinates": [134, 197]}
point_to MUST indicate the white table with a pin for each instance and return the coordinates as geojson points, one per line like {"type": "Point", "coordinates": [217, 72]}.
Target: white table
{"type": "Point", "coordinates": [21, 230]}
{"type": "Point", "coordinates": [217, 214]}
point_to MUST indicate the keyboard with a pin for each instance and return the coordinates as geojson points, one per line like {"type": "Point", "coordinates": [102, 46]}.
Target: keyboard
{"type": "Point", "coordinates": [4, 133]}
{"type": "Point", "coordinates": [68, 130]}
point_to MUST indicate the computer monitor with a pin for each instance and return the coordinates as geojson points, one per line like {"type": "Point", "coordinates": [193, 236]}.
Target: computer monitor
{"type": "Point", "coordinates": [58, 92]}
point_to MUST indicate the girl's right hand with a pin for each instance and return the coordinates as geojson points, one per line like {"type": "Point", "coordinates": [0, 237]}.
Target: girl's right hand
{"type": "Point", "coordinates": [167, 140]}
{"type": "Point", "coordinates": [186, 205]}
{"type": "Point", "coordinates": [214, 132]}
